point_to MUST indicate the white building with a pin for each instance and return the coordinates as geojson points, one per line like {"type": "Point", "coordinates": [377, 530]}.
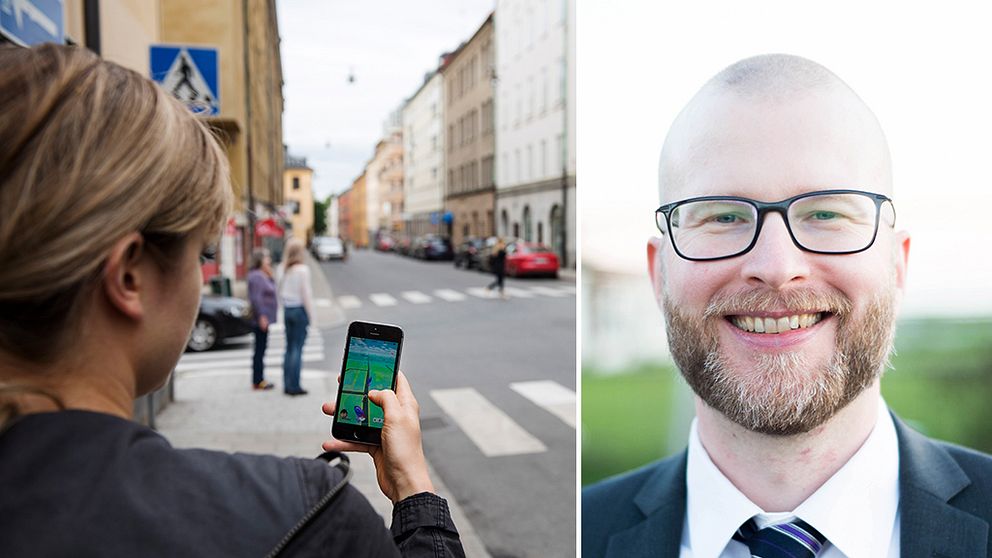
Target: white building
{"type": "Point", "coordinates": [535, 133]}
{"type": "Point", "coordinates": [423, 158]}
{"type": "Point", "coordinates": [331, 216]}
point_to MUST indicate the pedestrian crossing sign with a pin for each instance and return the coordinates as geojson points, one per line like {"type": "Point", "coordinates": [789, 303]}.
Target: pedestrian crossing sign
{"type": "Point", "coordinates": [188, 74]}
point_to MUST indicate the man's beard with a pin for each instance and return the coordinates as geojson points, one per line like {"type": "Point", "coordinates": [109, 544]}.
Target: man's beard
{"type": "Point", "coordinates": [783, 393]}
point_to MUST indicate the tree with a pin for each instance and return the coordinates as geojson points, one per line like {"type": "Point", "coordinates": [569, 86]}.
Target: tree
{"type": "Point", "coordinates": [320, 216]}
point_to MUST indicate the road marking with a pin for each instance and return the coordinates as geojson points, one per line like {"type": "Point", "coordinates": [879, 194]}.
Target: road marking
{"type": "Point", "coordinates": [245, 362]}
{"type": "Point", "coordinates": [480, 292]}
{"type": "Point", "coordinates": [547, 291]}
{"type": "Point", "coordinates": [382, 299]}
{"type": "Point", "coordinates": [416, 297]}
{"type": "Point", "coordinates": [304, 373]}
{"type": "Point", "coordinates": [322, 302]}
{"type": "Point", "coordinates": [570, 289]}
{"type": "Point", "coordinates": [449, 295]}
{"type": "Point", "coordinates": [551, 396]}
{"type": "Point", "coordinates": [348, 302]}
{"type": "Point", "coordinates": [518, 293]}
{"type": "Point", "coordinates": [492, 430]}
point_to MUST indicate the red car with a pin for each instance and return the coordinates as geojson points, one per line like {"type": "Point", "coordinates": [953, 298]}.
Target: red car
{"type": "Point", "coordinates": [530, 258]}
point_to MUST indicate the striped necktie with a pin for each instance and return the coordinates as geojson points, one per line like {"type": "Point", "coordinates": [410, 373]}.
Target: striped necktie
{"type": "Point", "coordinates": [796, 539]}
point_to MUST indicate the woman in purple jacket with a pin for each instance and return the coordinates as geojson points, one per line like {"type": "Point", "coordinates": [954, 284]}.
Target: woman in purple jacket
{"type": "Point", "coordinates": [265, 305]}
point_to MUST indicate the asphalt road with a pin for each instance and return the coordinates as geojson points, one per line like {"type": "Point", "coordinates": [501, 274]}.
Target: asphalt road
{"type": "Point", "coordinates": [493, 378]}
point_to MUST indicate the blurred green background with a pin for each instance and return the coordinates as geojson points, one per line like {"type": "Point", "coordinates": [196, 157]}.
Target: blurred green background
{"type": "Point", "coordinates": [941, 384]}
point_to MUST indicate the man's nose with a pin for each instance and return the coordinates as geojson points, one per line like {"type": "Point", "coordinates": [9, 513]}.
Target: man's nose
{"type": "Point", "coordinates": [775, 261]}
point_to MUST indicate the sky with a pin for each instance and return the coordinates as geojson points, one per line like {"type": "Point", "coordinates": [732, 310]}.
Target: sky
{"type": "Point", "coordinates": [387, 45]}
{"type": "Point", "coordinates": [922, 69]}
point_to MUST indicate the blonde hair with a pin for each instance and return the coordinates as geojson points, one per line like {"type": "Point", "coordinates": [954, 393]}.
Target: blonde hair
{"type": "Point", "coordinates": [295, 252]}
{"type": "Point", "coordinates": [89, 152]}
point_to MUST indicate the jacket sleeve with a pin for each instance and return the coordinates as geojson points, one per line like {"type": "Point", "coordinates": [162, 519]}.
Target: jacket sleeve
{"type": "Point", "coordinates": [422, 526]}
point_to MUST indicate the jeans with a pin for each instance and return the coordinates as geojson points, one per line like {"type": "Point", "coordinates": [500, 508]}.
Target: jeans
{"type": "Point", "coordinates": [258, 361]}
{"type": "Point", "coordinates": [296, 334]}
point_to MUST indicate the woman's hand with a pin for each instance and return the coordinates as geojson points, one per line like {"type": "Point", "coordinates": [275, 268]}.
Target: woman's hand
{"type": "Point", "coordinates": [400, 466]}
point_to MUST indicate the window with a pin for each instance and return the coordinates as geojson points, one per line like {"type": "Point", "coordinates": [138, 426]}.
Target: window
{"type": "Point", "coordinates": [530, 97]}
{"type": "Point", "coordinates": [504, 221]}
{"type": "Point", "coordinates": [540, 232]}
{"type": "Point", "coordinates": [488, 177]}
{"type": "Point", "coordinates": [556, 227]}
{"type": "Point", "coordinates": [434, 145]}
{"type": "Point", "coordinates": [530, 162]}
{"type": "Point", "coordinates": [544, 158]}
{"type": "Point", "coordinates": [516, 155]}
{"type": "Point", "coordinates": [296, 185]}
{"type": "Point", "coordinates": [451, 181]}
{"type": "Point", "coordinates": [527, 224]}
{"type": "Point", "coordinates": [295, 205]}
{"type": "Point", "coordinates": [544, 90]}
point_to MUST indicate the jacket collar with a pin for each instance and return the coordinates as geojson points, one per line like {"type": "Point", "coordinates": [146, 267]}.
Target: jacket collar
{"type": "Point", "coordinates": [929, 526]}
{"type": "Point", "coordinates": [928, 479]}
{"type": "Point", "coordinates": [662, 501]}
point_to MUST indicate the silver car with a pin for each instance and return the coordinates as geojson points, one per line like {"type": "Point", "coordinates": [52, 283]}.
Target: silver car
{"type": "Point", "coordinates": [328, 248]}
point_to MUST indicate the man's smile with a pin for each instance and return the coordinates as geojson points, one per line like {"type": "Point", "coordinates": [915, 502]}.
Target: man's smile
{"type": "Point", "coordinates": [774, 323]}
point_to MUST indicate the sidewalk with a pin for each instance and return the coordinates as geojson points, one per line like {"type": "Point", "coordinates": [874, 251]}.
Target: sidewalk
{"type": "Point", "coordinates": [217, 409]}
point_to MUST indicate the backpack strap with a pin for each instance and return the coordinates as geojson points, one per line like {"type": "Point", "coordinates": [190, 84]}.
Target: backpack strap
{"type": "Point", "coordinates": [337, 460]}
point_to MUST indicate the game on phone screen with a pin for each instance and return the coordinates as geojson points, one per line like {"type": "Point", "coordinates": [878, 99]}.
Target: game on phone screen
{"type": "Point", "coordinates": [371, 365]}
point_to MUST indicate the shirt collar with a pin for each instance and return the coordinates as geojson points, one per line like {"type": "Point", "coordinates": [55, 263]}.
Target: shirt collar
{"type": "Point", "coordinates": [855, 509]}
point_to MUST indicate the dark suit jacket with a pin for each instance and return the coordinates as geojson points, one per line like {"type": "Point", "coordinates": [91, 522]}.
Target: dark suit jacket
{"type": "Point", "coordinates": [945, 503]}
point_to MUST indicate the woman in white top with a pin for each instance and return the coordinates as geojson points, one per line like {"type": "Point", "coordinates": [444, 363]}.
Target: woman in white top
{"type": "Point", "coordinates": [297, 302]}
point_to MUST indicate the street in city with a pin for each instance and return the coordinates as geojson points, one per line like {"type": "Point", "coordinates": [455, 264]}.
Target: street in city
{"type": "Point", "coordinates": [495, 380]}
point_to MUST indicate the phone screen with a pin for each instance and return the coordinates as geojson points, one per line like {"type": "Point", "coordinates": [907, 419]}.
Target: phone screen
{"type": "Point", "coordinates": [369, 364]}
{"type": "Point", "coordinates": [371, 357]}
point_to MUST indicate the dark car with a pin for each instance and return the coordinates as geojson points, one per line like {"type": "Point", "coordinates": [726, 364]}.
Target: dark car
{"type": "Point", "coordinates": [433, 247]}
{"type": "Point", "coordinates": [486, 253]}
{"type": "Point", "coordinates": [467, 253]}
{"type": "Point", "coordinates": [219, 317]}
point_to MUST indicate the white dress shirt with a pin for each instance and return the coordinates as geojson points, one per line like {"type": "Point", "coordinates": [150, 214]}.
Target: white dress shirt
{"type": "Point", "coordinates": [856, 509]}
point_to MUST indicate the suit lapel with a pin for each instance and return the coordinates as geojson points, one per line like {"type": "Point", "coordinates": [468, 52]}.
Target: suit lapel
{"type": "Point", "coordinates": [929, 526]}
{"type": "Point", "coordinates": [662, 501]}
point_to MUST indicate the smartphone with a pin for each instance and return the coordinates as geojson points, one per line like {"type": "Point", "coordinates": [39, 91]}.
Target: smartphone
{"type": "Point", "coordinates": [371, 360]}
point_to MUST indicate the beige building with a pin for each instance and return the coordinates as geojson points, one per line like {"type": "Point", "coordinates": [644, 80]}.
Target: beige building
{"type": "Point", "coordinates": [387, 163]}
{"type": "Point", "coordinates": [298, 195]}
{"type": "Point", "coordinates": [470, 126]}
{"type": "Point", "coordinates": [358, 214]}
{"type": "Point", "coordinates": [246, 37]}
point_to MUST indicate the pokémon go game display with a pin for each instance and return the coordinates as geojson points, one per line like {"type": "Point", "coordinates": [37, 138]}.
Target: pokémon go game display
{"type": "Point", "coordinates": [371, 365]}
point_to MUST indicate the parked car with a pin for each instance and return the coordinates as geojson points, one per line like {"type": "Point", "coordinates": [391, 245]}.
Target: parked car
{"type": "Point", "coordinates": [328, 248]}
{"type": "Point", "coordinates": [433, 247]}
{"type": "Point", "coordinates": [404, 245]}
{"type": "Point", "coordinates": [530, 258]}
{"type": "Point", "coordinates": [467, 253]}
{"type": "Point", "coordinates": [219, 317]}
{"type": "Point", "coordinates": [384, 243]}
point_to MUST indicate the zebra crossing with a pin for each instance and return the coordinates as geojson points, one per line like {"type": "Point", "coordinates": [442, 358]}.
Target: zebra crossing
{"type": "Point", "coordinates": [239, 360]}
{"type": "Point", "coordinates": [351, 302]}
{"type": "Point", "coordinates": [494, 432]}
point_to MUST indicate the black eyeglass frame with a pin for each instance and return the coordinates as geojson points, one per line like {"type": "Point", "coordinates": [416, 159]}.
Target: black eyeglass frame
{"type": "Point", "coordinates": [762, 209]}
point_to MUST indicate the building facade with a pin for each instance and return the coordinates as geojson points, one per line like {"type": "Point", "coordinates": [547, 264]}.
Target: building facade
{"type": "Point", "coordinates": [344, 216]}
{"type": "Point", "coordinates": [423, 158]}
{"type": "Point", "coordinates": [470, 136]}
{"type": "Point", "coordinates": [249, 123]}
{"type": "Point", "coordinates": [358, 213]}
{"type": "Point", "coordinates": [535, 118]}
{"type": "Point", "coordinates": [298, 196]}
{"type": "Point", "coordinates": [389, 151]}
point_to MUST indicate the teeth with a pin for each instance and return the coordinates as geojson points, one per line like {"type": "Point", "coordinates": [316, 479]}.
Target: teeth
{"type": "Point", "coordinates": [776, 325]}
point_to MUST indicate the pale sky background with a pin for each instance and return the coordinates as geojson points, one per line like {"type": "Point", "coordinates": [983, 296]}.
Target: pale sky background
{"type": "Point", "coordinates": [388, 44]}
{"type": "Point", "coordinates": [923, 69]}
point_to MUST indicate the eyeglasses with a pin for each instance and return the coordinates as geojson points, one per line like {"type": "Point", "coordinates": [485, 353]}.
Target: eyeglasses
{"type": "Point", "coordinates": [824, 222]}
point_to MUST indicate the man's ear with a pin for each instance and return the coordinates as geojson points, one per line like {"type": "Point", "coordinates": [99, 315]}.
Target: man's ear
{"type": "Point", "coordinates": [902, 258]}
{"type": "Point", "coordinates": [654, 267]}
{"type": "Point", "coordinates": [122, 276]}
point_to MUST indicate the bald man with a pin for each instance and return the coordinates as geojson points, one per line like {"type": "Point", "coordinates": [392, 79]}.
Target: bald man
{"type": "Point", "coordinates": [779, 270]}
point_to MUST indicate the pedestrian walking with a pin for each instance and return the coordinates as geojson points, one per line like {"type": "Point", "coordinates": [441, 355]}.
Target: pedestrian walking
{"type": "Point", "coordinates": [109, 192]}
{"type": "Point", "coordinates": [297, 302]}
{"type": "Point", "coordinates": [265, 306]}
{"type": "Point", "coordinates": [497, 263]}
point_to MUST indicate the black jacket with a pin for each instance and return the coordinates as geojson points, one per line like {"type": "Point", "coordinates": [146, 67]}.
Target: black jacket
{"type": "Point", "coordinates": [945, 504]}
{"type": "Point", "coordinates": [78, 483]}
